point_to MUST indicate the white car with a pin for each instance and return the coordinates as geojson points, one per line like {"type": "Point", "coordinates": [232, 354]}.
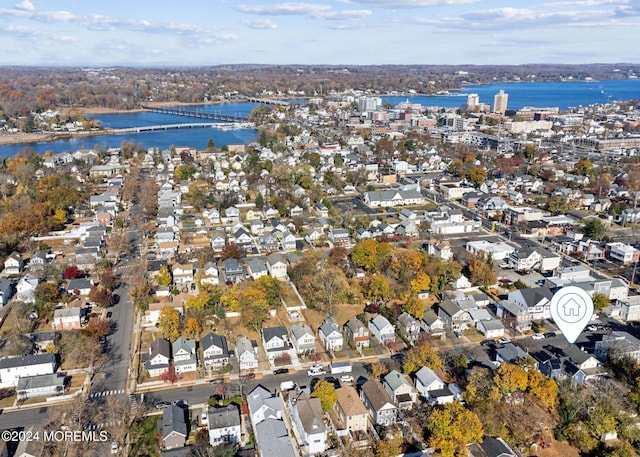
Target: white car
{"type": "Point", "coordinates": [346, 378]}
{"type": "Point", "coordinates": [114, 447]}
{"type": "Point", "coordinates": [504, 341]}
{"type": "Point", "coordinates": [537, 336]}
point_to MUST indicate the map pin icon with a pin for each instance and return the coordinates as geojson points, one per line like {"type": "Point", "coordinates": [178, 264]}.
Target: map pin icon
{"type": "Point", "coordinates": [571, 309]}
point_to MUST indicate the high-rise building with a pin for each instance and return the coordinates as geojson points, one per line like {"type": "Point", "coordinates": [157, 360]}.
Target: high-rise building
{"type": "Point", "coordinates": [473, 100]}
{"type": "Point", "coordinates": [369, 103]}
{"type": "Point", "coordinates": [500, 102]}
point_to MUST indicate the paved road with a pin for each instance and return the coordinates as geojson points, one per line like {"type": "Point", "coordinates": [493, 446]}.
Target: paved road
{"type": "Point", "coordinates": [38, 417]}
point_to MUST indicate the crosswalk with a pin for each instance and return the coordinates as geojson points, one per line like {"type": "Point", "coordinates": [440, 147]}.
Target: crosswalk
{"type": "Point", "coordinates": [106, 392]}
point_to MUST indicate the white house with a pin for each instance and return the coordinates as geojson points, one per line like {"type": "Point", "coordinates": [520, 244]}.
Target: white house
{"type": "Point", "coordinates": [275, 341]}
{"type": "Point", "coordinates": [308, 418]}
{"type": "Point", "coordinates": [184, 355]}
{"type": "Point", "coordinates": [183, 273]}
{"type": "Point", "coordinates": [14, 368]}
{"type": "Point", "coordinates": [382, 329]}
{"type": "Point", "coordinates": [302, 338]}
{"type": "Point", "coordinates": [246, 354]}
{"type": "Point", "coordinates": [157, 360]}
{"type": "Point", "coordinates": [224, 425]}
{"type": "Point", "coordinates": [14, 264]}
{"type": "Point", "coordinates": [277, 266]}
{"type": "Point", "coordinates": [26, 287]}
{"type": "Point", "coordinates": [66, 319]}
{"type": "Point", "coordinates": [214, 350]}
{"type": "Point", "coordinates": [430, 386]}
{"type": "Point", "coordinates": [330, 335]}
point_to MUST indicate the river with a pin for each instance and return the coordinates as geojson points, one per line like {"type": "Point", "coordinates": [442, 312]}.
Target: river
{"type": "Point", "coordinates": [541, 94]}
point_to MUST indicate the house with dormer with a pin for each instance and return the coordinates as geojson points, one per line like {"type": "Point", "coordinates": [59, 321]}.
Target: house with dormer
{"type": "Point", "coordinates": [233, 270]}
{"type": "Point", "coordinates": [430, 386]}
{"type": "Point", "coordinates": [401, 391]}
{"type": "Point", "coordinates": [307, 415]}
{"type": "Point", "coordinates": [257, 267]}
{"type": "Point", "coordinates": [26, 287]}
{"type": "Point", "coordinates": [433, 324]}
{"type": "Point", "coordinates": [409, 327]}
{"type": "Point", "coordinates": [183, 273]}
{"type": "Point", "coordinates": [536, 301]}
{"type": "Point", "coordinates": [275, 341]}
{"type": "Point", "coordinates": [302, 338]}
{"type": "Point", "coordinates": [330, 335]}
{"type": "Point", "coordinates": [156, 361]}
{"type": "Point", "coordinates": [453, 315]}
{"type": "Point", "coordinates": [214, 351]}
{"type": "Point", "coordinates": [173, 427]}
{"type": "Point", "coordinates": [243, 239]}
{"type": "Point", "coordinates": [356, 333]}
{"type": "Point", "coordinates": [218, 241]}
{"type": "Point", "coordinates": [184, 355]}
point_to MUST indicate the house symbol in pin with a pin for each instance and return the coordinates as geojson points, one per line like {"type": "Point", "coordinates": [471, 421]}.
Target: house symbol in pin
{"type": "Point", "coordinates": [571, 308]}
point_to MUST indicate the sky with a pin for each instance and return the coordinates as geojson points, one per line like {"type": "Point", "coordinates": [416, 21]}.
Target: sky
{"type": "Point", "coordinates": [335, 32]}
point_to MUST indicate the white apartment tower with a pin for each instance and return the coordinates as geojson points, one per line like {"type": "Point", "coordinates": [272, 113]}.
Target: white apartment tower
{"type": "Point", "coordinates": [473, 100]}
{"type": "Point", "coordinates": [500, 102]}
{"type": "Point", "coordinates": [369, 103]}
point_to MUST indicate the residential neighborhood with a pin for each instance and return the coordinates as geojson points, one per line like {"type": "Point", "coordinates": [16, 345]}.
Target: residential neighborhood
{"type": "Point", "coordinates": [378, 294]}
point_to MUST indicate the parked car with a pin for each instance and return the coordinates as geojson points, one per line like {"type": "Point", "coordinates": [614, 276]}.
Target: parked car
{"type": "Point", "coordinates": [504, 341]}
{"type": "Point", "coordinates": [549, 334]}
{"type": "Point", "coordinates": [114, 447]}
{"type": "Point", "coordinates": [346, 378]}
{"type": "Point", "coordinates": [109, 314]}
{"type": "Point", "coordinates": [592, 328]}
{"type": "Point", "coordinates": [281, 371]}
{"type": "Point", "coordinates": [216, 381]}
{"type": "Point", "coordinates": [163, 404]}
{"type": "Point", "coordinates": [537, 336]}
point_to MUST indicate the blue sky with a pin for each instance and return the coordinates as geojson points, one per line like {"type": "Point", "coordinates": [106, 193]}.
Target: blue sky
{"type": "Point", "coordinates": [213, 32]}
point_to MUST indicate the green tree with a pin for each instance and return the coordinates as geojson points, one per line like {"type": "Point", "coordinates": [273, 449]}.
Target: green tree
{"type": "Point", "coordinates": [477, 175]}
{"type": "Point", "coordinates": [594, 228]}
{"type": "Point", "coordinates": [327, 394]}
{"type": "Point", "coordinates": [259, 201]}
{"type": "Point", "coordinates": [600, 301]}
{"type": "Point", "coordinates": [211, 145]}
{"type": "Point", "coordinates": [169, 323]}
{"type": "Point", "coordinates": [452, 428]}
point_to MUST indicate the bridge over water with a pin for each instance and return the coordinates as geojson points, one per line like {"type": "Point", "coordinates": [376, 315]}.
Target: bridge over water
{"type": "Point", "coordinates": [179, 111]}
{"type": "Point", "coordinates": [213, 125]}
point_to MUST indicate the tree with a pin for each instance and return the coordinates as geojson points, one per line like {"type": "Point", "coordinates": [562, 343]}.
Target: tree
{"type": "Point", "coordinates": [97, 327]}
{"type": "Point", "coordinates": [544, 388]}
{"type": "Point", "coordinates": [422, 355]}
{"type": "Point", "coordinates": [231, 251]}
{"type": "Point", "coordinates": [211, 145]}
{"type": "Point", "coordinates": [259, 202]}
{"type": "Point", "coordinates": [452, 428]}
{"type": "Point", "coordinates": [369, 254]}
{"type": "Point", "coordinates": [481, 273]}
{"type": "Point", "coordinates": [193, 327]}
{"type": "Point", "coordinates": [169, 323]}
{"type": "Point", "coordinates": [594, 228]}
{"type": "Point", "coordinates": [583, 167]}
{"type": "Point", "coordinates": [108, 279]}
{"type": "Point", "coordinates": [509, 378]}
{"type": "Point", "coordinates": [379, 369]}
{"type": "Point", "coordinates": [327, 394]}
{"type": "Point", "coordinates": [600, 301]}
{"type": "Point", "coordinates": [377, 288]}
{"type": "Point", "coordinates": [389, 447]}
{"type": "Point", "coordinates": [477, 175]}
{"type": "Point", "coordinates": [421, 282]}
{"type": "Point", "coordinates": [164, 276]}
{"type": "Point", "coordinates": [72, 272]}
{"type": "Point", "coordinates": [456, 167]}
{"type": "Point", "coordinates": [404, 264]}
{"type": "Point", "coordinates": [101, 295]}
{"type": "Point", "coordinates": [171, 375]}
{"type": "Point", "coordinates": [415, 307]}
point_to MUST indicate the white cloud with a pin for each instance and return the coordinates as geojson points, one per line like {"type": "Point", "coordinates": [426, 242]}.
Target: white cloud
{"type": "Point", "coordinates": [25, 5]}
{"type": "Point", "coordinates": [316, 11]}
{"type": "Point", "coordinates": [400, 4]}
{"type": "Point", "coordinates": [263, 23]}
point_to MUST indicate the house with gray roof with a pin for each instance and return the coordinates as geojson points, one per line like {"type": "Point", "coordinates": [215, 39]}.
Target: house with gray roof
{"type": "Point", "coordinates": [45, 385]}
{"type": "Point", "coordinates": [6, 291]}
{"type": "Point", "coordinates": [224, 425]}
{"type": "Point", "coordinates": [14, 368]}
{"type": "Point", "coordinates": [273, 439]}
{"type": "Point", "coordinates": [257, 267]}
{"type": "Point", "coordinates": [173, 427]}
{"type": "Point", "coordinates": [275, 341]}
{"type": "Point", "coordinates": [393, 197]}
{"type": "Point", "coordinates": [453, 315]}
{"type": "Point", "coordinates": [382, 329]}
{"type": "Point", "coordinates": [157, 360]}
{"type": "Point", "coordinates": [510, 353]}
{"type": "Point", "coordinates": [427, 380]}
{"type": "Point", "coordinates": [401, 391]}
{"type": "Point", "coordinates": [184, 355]}
{"type": "Point", "coordinates": [491, 447]}
{"type": "Point", "coordinates": [214, 350]}
{"type": "Point", "coordinates": [302, 338]}
{"type": "Point", "coordinates": [356, 333]}
{"type": "Point", "coordinates": [409, 327]}
{"type": "Point", "coordinates": [246, 353]}
{"type": "Point", "coordinates": [535, 299]}
{"type": "Point", "coordinates": [330, 335]}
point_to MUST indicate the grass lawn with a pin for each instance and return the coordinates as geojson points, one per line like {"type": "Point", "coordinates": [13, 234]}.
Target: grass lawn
{"type": "Point", "coordinates": [9, 401]}
{"type": "Point", "coordinates": [289, 296]}
{"type": "Point", "coordinates": [144, 437]}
